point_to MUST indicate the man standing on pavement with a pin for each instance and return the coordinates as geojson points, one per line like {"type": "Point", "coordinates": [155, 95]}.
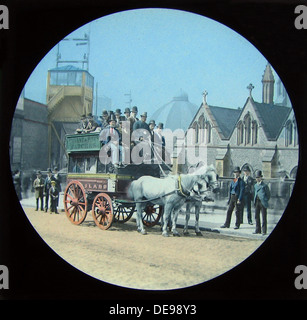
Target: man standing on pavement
{"type": "Point", "coordinates": [261, 200]}
{"type": "Point", "coordinates": [54, 197]}
{"type": "Point", "coordinates": [236, 192]}
{"type": "Point", "coordinates": [38, 185]}
{"type": "Point", "coordinates": [247, 196]}
{"type": "Point", "coordinates": [47, 186]}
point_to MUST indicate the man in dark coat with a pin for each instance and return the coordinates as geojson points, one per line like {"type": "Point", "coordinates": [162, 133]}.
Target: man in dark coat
{"type": "Point", "coordinates": [141, 128]}
{"type": "Point", "coordinates": [47, 186]}
{"type": "Point", "coordinates": [83, 125]}
{"type": "Point", "coordinates": [17, 183]}
{"type": "Point", "coordinates": [92, 125]}
{"type": "Point", "coordinates": [127, 114]}
{"type": "Point", "coordinates": [261, 200]}
{"type": "Point", "coordinates": [38, 185]}
{"type": "Point", "coordinates": [247, 196]}
{"type": "Point", "coordinates": [57, 179]}
{"type": "Point", "coordinates": [104, 122]}
{"type": "Point", "coordinates": [54, 197]}
{"type": "Point", "coordinates": [236, 192]}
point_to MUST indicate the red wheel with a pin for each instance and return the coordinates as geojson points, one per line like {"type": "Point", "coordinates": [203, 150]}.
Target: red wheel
{"type": "Point", "coordinates": [151, 215]}
{"type": "Point", "coordinates": [102, 211]}
{"type": "Point", "coordinates": [75, 202]}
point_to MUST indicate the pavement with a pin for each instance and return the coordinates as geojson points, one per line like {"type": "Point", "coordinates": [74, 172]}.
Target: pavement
{"type": "Point", "coordinates": [212, 217]}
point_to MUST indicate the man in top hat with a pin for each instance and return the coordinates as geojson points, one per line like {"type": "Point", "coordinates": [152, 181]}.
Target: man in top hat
{"type": "Point", "coordinates": [247, 196]}
{"type": "Point", "coordinates": [38, 185]}
{"type": "Point", "coordinates": [141, 128]}
{"type": "Point", "coordinates": [236, 192]}
{"type": "Point", "coordinates": [155, 141]}
{"type": "Point", "coordinates": [141, 124]}
{"type": "Point", "coordinates": [104, 119]}
{"type": "Point", "coordinates": [133, 116]}
{"type": "Point", "coordinates": [92, 125]}
{"type": "Point", "coordinates": [118, 117]}
{"type": "Point", "coordinates": [261, 200]}
{"type": "Point", "coordinates": [83, 125]}
{"type": "Point", "coordinates": [127, 114]}
{"type": "Point", "coordinates": [159, 132]}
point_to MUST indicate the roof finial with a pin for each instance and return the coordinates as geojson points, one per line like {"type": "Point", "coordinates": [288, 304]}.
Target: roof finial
{"type": "Point", "coordinates": [250, 87]}
{"type": "Point", "coordinates": [205, 93]}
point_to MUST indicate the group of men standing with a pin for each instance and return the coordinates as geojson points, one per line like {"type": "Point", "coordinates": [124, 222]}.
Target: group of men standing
{"type": "Point", "coordinates": [244, 191]}
{"type": "Point", "coordinates": [48, 188]}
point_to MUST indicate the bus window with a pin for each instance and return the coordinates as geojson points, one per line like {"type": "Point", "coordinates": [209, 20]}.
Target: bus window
{"type": "Point", "coordinates": [91, 164]}
{"type": "Point", "coordinates": [76, 165]}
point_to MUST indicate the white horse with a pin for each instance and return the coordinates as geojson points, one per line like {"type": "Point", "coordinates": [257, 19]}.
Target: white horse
{"type": "Point", "coordinates": [197, 204]}
{"type": "Point", "coordinates": [205, 194]}
{"type": "Point", "coordinates": [171, 192]}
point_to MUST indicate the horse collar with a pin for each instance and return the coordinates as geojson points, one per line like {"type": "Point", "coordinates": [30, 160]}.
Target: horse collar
{"type": "Point", "coordinates": [180, 189]}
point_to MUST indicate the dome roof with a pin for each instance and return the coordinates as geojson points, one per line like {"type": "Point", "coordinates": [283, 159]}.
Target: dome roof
{"type": "Point", "coordinates": [176, 114]}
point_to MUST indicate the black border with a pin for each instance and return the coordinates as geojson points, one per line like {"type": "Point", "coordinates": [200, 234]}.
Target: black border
{"type": "Point", "coordinates": [36, 272]}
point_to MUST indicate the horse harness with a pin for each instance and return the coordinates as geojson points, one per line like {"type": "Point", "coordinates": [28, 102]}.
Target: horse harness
{"type": "Point", "coordinates": [179, 190]}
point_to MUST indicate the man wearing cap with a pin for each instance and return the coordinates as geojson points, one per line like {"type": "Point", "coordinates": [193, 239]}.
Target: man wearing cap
{"type": "Point", "coordinates": [47, 186]}
{"type": "Point", "coordinates": [261, 200]}
{"type": "Point", "coordinates": [83, 125]}
{"type": "Point", "coordinates": [247, 196]}
{"type": "Point", "coordinates": [91, 125]}
{"type": "Point", "coordinates": [54, 197]}
{"type": "Point", "coordinates": [236, 192]}
{"type": "Point", "coordinates": [38, 185]}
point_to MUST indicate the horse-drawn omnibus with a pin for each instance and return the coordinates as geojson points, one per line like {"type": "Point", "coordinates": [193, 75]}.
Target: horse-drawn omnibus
{"type": "Point", "coordinates": [102, 188]}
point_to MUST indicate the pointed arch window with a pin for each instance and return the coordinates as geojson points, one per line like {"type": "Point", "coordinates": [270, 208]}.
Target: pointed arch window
{"type": "Point", "coordinates": [295, 139]}
{"type": "Point", "coordinates": [240, 132]}
{"type": "Point", "coordinates": [196, 136]}
{"type": "Point", "coordinates": [201, 126]}
{"type": "Point", "coordinates": [207, 131]}
{"type": "Point", "coordinates": [288, 133]}
{"type": "Point", "coordinates": [247, 127]}
{"type": "Point", "coordinates": [254, 132]}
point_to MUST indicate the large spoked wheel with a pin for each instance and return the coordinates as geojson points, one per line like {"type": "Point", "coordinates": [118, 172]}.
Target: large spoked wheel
{"type": "Point", "coordinates": [122, 213]}
{"type": "Point", "coordinates": [102, 211]}
{"type": "Point", "coordinates": [151, 215]}
{"type": "Point", "coordinates": [75, 202]}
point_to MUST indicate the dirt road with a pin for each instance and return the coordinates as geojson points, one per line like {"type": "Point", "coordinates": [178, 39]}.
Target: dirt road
{"type": "Point", "coordinates": [126, 258]}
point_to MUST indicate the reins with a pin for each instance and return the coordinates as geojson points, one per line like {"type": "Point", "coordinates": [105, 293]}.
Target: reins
{"type": "Point", "coordinates": [179, 191]}
{"type": "Point", "coordinates": [146, 200]}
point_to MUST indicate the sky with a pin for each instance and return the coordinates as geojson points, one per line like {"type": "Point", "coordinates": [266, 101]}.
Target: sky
{"type": "Point", "coordinates": [155, 53]}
